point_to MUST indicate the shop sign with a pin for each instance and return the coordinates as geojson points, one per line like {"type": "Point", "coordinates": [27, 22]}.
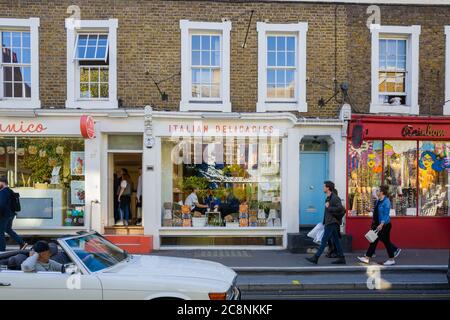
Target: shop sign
{"type": "Point", "coordinates": [87, 127]}
{"type": "Point", "coordinates": [22, 127]}
{"type": "Point", "coordinates": [410, 131]}
{"type": "Point", "coordinates": [220, 129]}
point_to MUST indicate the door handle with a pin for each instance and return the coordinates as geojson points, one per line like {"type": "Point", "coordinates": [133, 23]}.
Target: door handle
{"type": "Point", "coordinates": [4, 284]}
{"type": "Point", "coordinates": [311, 187]}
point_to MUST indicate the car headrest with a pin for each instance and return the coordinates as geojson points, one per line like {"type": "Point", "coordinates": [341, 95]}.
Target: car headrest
{"type": "Point", "coordinates": [53, 248]}
{"type": "Point", "coordinates": [15, 262]}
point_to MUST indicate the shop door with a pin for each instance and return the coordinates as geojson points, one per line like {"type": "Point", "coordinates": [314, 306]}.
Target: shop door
{"type": "Point", "coordinates": [313, 172]}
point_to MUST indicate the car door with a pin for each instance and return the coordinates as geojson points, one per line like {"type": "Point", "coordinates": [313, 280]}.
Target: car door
{"type": "Point", "coordinates": [48, 286]}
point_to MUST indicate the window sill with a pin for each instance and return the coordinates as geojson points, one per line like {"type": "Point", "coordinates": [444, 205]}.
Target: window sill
{"type": "Point", "coordinates": [19, 103]}
{"type": "Point", "coordinates": [205, 106]}
{"type": "Point", "coordinates": [268, 106]}
{"type": "Point", "coordinates": [92, 104]}
{"type": "Point", "coordinates": [391, 109]}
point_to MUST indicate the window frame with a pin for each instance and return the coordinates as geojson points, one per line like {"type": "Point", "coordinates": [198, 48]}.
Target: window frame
{"type": "Point", "coordinates": [411, 34]}
{"type": "Point", "coordinates": [30, 25]}
{"type": "Point", "coordinates": [187, 102]}
{"type": "Point", "coordinates": [299, 30]}
{"type": "Point", "coordinates": [75, 28]}
{"type": "Point", "coordinates": [98, 34]}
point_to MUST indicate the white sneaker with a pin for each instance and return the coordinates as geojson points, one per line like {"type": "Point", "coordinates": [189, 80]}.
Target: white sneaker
{"type": "Point", "coordinates": [119, 223]}
{"type": "Point", "coordinates": [364, 260]}
{"type": "Point", "coordinates": [139, 224]}
{"type": "Point", "coordinates": [126, 222]}
{"type": "Point", "coordinates": [389, 263]}
{"type": "Point", "coordinates": [397, 253]}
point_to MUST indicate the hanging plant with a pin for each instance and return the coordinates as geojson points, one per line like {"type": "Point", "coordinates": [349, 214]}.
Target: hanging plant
{"type": "Point", "coordinates": [32, 150]}
{"type": "Point", "coordinates": [42, 153]}
{"type": "Point", "coordinates": [59, 150]}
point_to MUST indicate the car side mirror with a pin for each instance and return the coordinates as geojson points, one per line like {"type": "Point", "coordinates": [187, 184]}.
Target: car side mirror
{"type": "Point", "coordinates": [70, 268]}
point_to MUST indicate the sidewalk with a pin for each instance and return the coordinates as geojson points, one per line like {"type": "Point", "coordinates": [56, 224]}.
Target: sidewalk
{"type": "Point", "coordinates": [284, 261]}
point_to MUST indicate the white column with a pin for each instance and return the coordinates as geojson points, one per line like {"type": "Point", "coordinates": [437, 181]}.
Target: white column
{"type": "Point", "coordinates": [151, 191]}
{"type": "Point", "coordinates": [291, 176]}
{"type": "Point", "coordinates": [92, 157]}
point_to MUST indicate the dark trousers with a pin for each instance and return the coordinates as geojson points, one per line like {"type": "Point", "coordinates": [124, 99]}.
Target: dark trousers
{"type": "Point", "coordinates": [6, 227]}
{"type": "Point", "coordinates": [331, 232]}
{"type": "Point", "coordinates": [384, 236]}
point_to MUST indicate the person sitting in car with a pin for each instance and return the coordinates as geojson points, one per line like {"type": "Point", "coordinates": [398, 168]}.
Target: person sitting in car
{"type": "Point", "coordinates": [39, 259]}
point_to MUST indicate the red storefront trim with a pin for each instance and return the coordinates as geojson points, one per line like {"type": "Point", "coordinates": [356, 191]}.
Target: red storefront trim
{"type": "Point", "coordinates": [407, 232]}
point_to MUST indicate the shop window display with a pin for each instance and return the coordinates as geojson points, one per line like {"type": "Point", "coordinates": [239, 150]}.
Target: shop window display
{"type": "Point", "coordinates": [48, 173]}
{"type": "Point", "coordinates": [400, 174]}
{"type": "Point", "coordinates": [434, 172]}
{"type": "Point", "coordinates": [237, 180]}
{"type": "Point", "coordinates": [365, 172]}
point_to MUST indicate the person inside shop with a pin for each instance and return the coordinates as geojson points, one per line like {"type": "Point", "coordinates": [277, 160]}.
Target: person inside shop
{"type": "Point", "coordinates": [124, 198]}
{"type": "Point", "coordinates": [39, 259]}
{"type": "Point", "coordinates": [193, 203]}
{"type": "Point", "coordinates": [212, 201]}
{"type": "Point", "coordinates": [381, 223]}
{"type": "Point", "coordinates": [117, 181]}
{"type": "Point", "coordinates": [230, 204]}
{"type": "Point", "coordinates": [334, 211]}
{"type": "Point", "coordinates": [7, 215]}
{"type": "Point", "coordinates": [139, 199]}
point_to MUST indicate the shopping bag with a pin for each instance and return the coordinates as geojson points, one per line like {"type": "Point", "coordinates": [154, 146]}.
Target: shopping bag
{"type": "Point", "coordinates": [315, 230]}
{"type": "Point", "coordinates": [319, 236]}
{"type": "Point", "coordinates": [372, 235]}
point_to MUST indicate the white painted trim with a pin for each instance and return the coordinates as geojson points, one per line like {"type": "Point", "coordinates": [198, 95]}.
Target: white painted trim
{"type": "Point", "coordinates": [300, 29]}
{"type": "Point", "coordinates": [34, 102]}
{"type": "Point", "coordinates": [72, 26]}
{"type": "Point", "coordinates": [412, 78]}
{"type": "Point", "coordinates": [187, 103]}
{"type": "Point", "coordinates": [446, 106]}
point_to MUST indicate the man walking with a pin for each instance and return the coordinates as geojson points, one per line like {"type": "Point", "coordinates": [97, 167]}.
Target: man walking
{"type": "Point", "coordinates": [7, 215]}
{"type": "Point", "coordinates": [334, 211]}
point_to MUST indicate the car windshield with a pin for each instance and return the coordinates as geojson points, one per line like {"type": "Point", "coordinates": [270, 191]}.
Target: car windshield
{"type": "Point", "coordinates": [96, 252]}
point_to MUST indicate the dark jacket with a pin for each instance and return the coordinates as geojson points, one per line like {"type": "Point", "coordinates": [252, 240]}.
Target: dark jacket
{"type": "Point", "coordinates": [333, 214]}
{"type": "Point", "coordinates": [5, 203]}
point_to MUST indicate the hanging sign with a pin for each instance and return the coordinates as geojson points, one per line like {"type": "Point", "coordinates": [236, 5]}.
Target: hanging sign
{"type": "Point", "coordinates": [87, 127]}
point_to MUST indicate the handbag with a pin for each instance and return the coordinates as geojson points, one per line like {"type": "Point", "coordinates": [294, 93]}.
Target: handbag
{"type": "Point", "coordinates": [372, 235]}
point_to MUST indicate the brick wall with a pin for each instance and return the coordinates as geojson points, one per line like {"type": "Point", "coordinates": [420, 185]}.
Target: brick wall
{"type": "Point", "coordinates": [149, 40]}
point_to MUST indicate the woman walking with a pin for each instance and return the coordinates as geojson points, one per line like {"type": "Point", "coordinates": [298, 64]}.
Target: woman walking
{"type": "Point", "coordinates": [381, 222]}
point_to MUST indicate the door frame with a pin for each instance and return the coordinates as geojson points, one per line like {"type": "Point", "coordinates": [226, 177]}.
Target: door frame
{"type": "Point", "coordinates": [327, 175]}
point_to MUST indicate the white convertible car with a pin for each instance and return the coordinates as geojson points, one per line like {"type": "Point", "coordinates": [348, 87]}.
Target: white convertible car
{"type": "Point", "coordinates": [98, 269]}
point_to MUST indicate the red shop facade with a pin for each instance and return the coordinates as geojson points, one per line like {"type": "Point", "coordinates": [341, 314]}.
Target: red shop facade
{"type": "Point", "coordinates": [412, 156]}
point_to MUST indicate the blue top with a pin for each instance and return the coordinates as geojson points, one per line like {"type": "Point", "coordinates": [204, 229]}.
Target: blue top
{"type": "Point", "coordinates": [384, 208]}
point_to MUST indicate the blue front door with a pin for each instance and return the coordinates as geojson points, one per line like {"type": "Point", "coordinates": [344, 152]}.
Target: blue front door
{"type": "Point", "coordinates": [313, 172]}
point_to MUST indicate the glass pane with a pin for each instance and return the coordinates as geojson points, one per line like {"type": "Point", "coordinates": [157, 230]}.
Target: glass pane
{"type": "Point", "coordinates": [434, 178]}
{"type": "Point", "coordinates": [82, 40]}
{"type": "Point", "coordinates": [26, 55]}
{"type": "Point", "coordinates": [84, 90]}
{"type": "Point", "coordinates": [290, 59]}
{"type": "Point", "coordinates": [195, 58]}
{"type": "Point", "coordinates": [196, 75]}
{"type": "Point", "coordinates": [26, 72]}
{"type": "Point", "coordinates": [290, 77]}
{"type": "Point", "coordinates": [205, 91]}
{"type": "Point", "coordinates": [104, 90]}
{"type": "Point", "coordinates": [364, 176]}
{"type": "Point", "coordinates": [17, 74]}
{"type": "Point", "coordinates": [281, 43]}
{"type": "Point", "coordinates": [196, 91]}
{"type": "Point", "coordinates": [271, 91]}
{"type": "Point", "coordinates": [16, 39]}
{"type": "Point", "coordinates": [391, 49]}
{"type": "Point", "coordinates": [16, 55]}
{"type": "Point", "coordinates": [101, 53]}
{"type": "Point", "coordinates": [382, 64]}
{"type": "Point", "coordinates": [26, 40]}
{"type": "Point", "coordinates": [281, 76]}
{"type": "Point", "coordinates": [400, 174]}
{"type": "Point", "coordinates": [281, 59]}
{"type": "Point", "coordinates": [6, 39]}
{"type": "Point", "coordinates": [271, 59]}
{"type": "Point", "coordinates": [81, 51]}
{"type": "Point", "coordinates": [18, 92]}
{"type": "Point", "coordinates": [125, 142]}
{"type": "Point", "coordinates": [102, 40]}
{"type": "Point", "coordinates": [206, 42]}
{"type": "Point", "coordinates": [104, 75]}
{"type": "Point", "coordinates": [92, 40]}
{"type": "Point", "coordinates": [270, 76]}
{"type": "Point", "coordinates": [401, 47]}
{"type": "Point", "coordinates": [215, 43]}
{"type": "Point", "coordinates": [94, 75]}
{"type": "Point", "coordinates": [206, 76]}
{"type": "Point", "coordinates": [382, 82]}
{"type": "Point", "coordinates": [382, 49]}
{"type": "Point", "coordinates": [7, 74]}
{"type": "Point", "coordinates": [215, 91]}
{"type": "Point", "coordinates": [195, 43]}
{"type": "Point", "coordinates": [84, 75]}
{"type": "Point", "coordinates": [206, 58]}
{"type": "Point", "coordinates": [93, 88]}
{"type": "Point", "coordinates": [271, 43]}
{"type": "Point", "coordinates": [291, 43]}
{"type": "Point", "coordinates": [7, 89]}
{"type": "Point", "coordinates": [28, 89]}
{"type": "Point", "coordinates": [215, 58]}
{"type": "Point", "coordinates": [90, 53]}
{"type": "Point", "coordinates": [216, 76]}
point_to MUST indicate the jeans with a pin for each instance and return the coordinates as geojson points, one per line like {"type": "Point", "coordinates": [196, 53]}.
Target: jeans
{"type": "Point", "coordinates": [124, 208]}
{"type": "Point", "coordinates": [6, 227]}
{"type": "Point", "coordinates": [331, 232]}
{"type": "Point", "coordinates": [384, 236]}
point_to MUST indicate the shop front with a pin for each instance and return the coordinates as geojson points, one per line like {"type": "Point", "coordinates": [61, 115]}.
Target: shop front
{"type": "Point", "coordinates": [412, 156]}
{"type": "Point", "coordinates": [44, 161]}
